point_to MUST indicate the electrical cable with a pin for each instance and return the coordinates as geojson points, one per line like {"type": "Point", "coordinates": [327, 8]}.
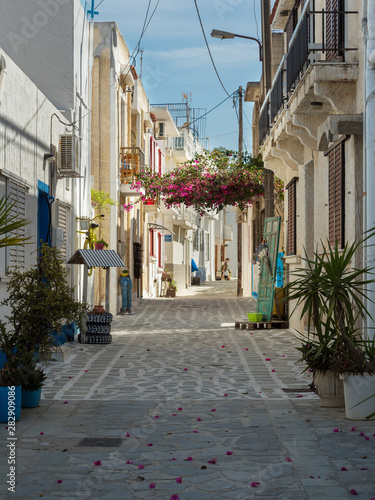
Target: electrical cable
{"type": "Point", "coordinates": [99, 4]}
{"type": "Point", "coordinates": [208, 48]}
{"type": "Point", "coordinates": [256, 20]}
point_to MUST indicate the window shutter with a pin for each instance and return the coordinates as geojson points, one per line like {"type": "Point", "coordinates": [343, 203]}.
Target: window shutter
{"type": "Point", "coordinates": [334, 28]}
{"type": "Point", "coordinates": [63, 222]}
{"type": "Point", "coordinates": [17, 193]}
{"type": "Point", "coordinates": [336, 195]}
{"type": "Point", "coordinates": [292, 217]}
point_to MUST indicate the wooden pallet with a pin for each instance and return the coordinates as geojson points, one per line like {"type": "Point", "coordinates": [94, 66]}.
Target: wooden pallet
{"type": "Point", "coordinates": [262, 325]}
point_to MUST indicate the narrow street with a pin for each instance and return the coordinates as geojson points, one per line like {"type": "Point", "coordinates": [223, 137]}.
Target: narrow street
{"type": "Point", "coordinates": [193, 409]}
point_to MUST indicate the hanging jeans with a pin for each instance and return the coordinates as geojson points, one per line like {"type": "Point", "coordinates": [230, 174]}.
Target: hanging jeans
{"type": "Point", "coordinates": [126, 292]}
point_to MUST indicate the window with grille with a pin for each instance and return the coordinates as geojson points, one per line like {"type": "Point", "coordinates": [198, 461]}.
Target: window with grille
{"type": "Point", "coordinates": [152, 242]}
{"type": "Point", "coordinates": [207, 245]}
{"type": "Point", "coordinates": [334, 29]}
{"type": "Point", "coordinates": [64, 223]}
{"type": "Point", "coordinates": [292, 217]}
{"type": "Point", "coordinates": [16, 254]}
{"type": "Point", "coordinates": [336, 195]}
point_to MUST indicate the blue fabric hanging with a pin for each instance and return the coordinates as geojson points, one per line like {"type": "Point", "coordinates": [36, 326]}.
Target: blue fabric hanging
{"type": "Point", "coordinates": [194, 266]}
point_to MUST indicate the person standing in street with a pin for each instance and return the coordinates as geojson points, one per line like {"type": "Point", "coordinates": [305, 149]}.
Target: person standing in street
{"type": "Point", "coordinates": [225, 271]}
{"type": "Point", "coordinates": [126, 292]}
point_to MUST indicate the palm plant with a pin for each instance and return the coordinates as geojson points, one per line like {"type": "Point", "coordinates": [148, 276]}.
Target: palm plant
{"type": "Point", "coordinates": [9, 223]}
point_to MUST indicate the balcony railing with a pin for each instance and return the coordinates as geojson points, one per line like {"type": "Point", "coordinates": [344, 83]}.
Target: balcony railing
{"type": "Point", "coordinates": [132, 162]}
{"type": "Point", "coordinates": [320, 36]}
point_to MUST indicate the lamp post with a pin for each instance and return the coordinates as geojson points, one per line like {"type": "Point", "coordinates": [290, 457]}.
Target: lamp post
{"type": "Point", "coordinates": [226, 34]}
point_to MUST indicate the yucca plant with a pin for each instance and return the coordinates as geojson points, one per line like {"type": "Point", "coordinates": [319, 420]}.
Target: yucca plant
{"type": "Point", "coordinates": [332, 295]}
{"type": "Point", "coordinates": [9, 223]}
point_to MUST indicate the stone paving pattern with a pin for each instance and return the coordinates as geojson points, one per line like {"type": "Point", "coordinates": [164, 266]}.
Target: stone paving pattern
{"type": "Point", "coordinates": [200, 409]}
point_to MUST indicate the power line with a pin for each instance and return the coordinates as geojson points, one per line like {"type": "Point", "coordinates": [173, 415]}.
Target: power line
{"type": "Point", "coordinates": [208, 48]}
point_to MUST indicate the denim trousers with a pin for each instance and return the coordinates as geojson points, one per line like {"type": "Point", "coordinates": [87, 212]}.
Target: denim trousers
{"type": "Point", "coordinates": [126, 292]}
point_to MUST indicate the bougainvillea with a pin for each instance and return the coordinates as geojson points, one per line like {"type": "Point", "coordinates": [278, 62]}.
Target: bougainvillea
{"type": "Point", "coordinates": [210, 181]}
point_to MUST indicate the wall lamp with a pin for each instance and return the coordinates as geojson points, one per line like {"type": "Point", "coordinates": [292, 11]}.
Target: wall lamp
{"type": "Point", "coordinates": [225, 34]}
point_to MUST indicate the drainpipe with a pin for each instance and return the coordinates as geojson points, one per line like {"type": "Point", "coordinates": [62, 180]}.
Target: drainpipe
{"type": "Point", "coordinates": [369, 151]}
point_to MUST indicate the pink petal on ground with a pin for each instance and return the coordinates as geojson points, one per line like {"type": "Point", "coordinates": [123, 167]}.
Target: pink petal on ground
{"type": "Point", "coordinates": [59, 481]}
{"type": "Point", "coordinates": [70, 377]}
{"type": "Point", "coordinates": [260, 392]}
{"type": "Point", "coordinates": [268, 359]}
{"type": "Point", "coordinates": [195, 431]}
{"type": "Point", "coordinates": [178, 479]}
{"type": "Point", "coordinates": [185, 369]}
{"type": "Point", "coordinates": [172, 459]}
{"type": "Point", "coordinates": [367, 438]}
{"type": "Point", "coordinates": [288, 459]}
{"type": "Point", "coordinates": [212, 461]}
{"type": "Point", "coordinates": [229, 452]}
{"type": "Point", "coordinates": [353, 429]}
{"type": "Point", "coordinates": [299, 396]}
{"type": "Point", "coordinates": [251, 333]}
{"type": "Point", "coordinates": [42, 433]}
{"type": "Point", "coordinates": [156, 416]}
{"type": "Point", "coordinates": [225, 394]}
{"type": "Point", "coordinates": [246, 349]}
{"type": "Point", "coordinates": [174, 497]}
{"type": "Point", "coordinates": [223, 346]}
{"type": "Point", "coordinates": [353, 492]}
{"type": "Point", "coordinates": [174, 414]}
{"type": "Point", "coordinates": [254, 484]}
{"type": "Point", "coordinates": [343, 468]}
{"type": "Point", "coordinates": [199, 420]}
{"type": "Point", "coordinates": [361, 434]}
{"type": "Point", "coordinates": [283, 355]}
{"type": "Point", "coordinates": [188, 459]}
{"type": "Point", "coordinates": [150, 444]}
{"type": "Point", "coordinates": [97, 462]}
{"type": "Point", "coordinates": [140, 466]}
{"type": "Point", "coordinates": [273, 370]}
{"type": "Point", "coordinates": [86, 371]}
{"type": "Point", "coordinates": [130, 462]}
{"type": "Point", "coordinates": [213, 409]}
{"type": "Point", "coordinates": [152, 485]}
{"type": "Point", "coordinates": [65, 402]}
{"type": "Point", "coordinates": [364, 468]}
{"type": "Point", "coordinates": [312, 477]}
{"type": "Point", "coordinates": [336, 430]}
{"type": "Point", "coordinates": [179, 409]}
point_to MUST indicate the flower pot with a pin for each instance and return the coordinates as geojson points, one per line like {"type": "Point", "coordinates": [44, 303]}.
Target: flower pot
{"type": "Point", "coordinates": [99, 246]}
{"type": "Point", "coordinates": [10, 404]}
{"type": "Point", "coordinates": [330, 389]}
{"type": "Point", "coordinates": [357, 388]}
{"type": "Point", "coordinates": [30, 399]}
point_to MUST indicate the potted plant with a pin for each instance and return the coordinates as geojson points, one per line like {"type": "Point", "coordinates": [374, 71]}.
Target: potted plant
{"type": "Point", "coordinates": [39, 302]}
{"type": "Point", "coordinates": [32, 378]}
{"type": "Point", "coordinates": [10, 383]}
{"type": "Point", "coordinates": [100, 244]}
{"type": "Point", "coordinates": [331, 295]}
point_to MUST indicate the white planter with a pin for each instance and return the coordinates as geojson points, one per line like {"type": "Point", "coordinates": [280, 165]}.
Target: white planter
{"type": "Point", "coordinates": [330, 389]}
{"type": "Point", "coordinates": [357, 388]}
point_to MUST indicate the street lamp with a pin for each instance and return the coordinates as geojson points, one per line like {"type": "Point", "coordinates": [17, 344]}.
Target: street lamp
{"type": "Point", "coordinates": [225, 34]}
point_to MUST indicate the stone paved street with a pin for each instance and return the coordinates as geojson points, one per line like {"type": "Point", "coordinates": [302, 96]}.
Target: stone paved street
{"type": "Point", "coordinates": [200, 412]}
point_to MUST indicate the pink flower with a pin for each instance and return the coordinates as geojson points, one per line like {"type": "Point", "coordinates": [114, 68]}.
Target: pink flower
{"type": "Point", "coordinates": [86, 371]}
{"type": "Point", "coordinates": [178, 479]}
{"type": "Point", "coordinates": [140, 466]}
{"type": "Point", "coordinates": [42, 433]}
{"type": "Point", "coordinates": [195, 431]}
{"type": "Point", "coordinates": [367, 438]}
{"type": "Point", "coordinates": [223, 346]}
{"type": "Point", "coordinates": [97, 462]}
{"type": "Point", "coordinates": [213, 409]}
{"type": "Point", "coordinates": [150, 444]}
{"type": "Point", "coordinates": [185, 369]}
{"type": "Point", "coordinates": [299, 396]}
{"type": "Point", "coordinates": [246, 349]}
{"type": "Point", "coordinates": [156, 416]}
{"type": "Point", "coordinates": [273, 370]}
{"type": "Point", "coordinates": [152, 485]}
{"type": "Point", "coordinates": [229, 452]}
{"type": "Point", "coordinates": [268, 359]}
{"type": "Point", "coordinates": [288, 459]}
{"type": "Point", "coordinates": [174, 497]}
{"type": "Point", "coordinates": [179, 409]}
{"type": "Point", "coordinates": [225, 394]}
{"type": "Point", "coordinates": [343, 468]}
{"type": "Point", "coordinates": [212, 461]}
{"type": "Point", "coordinates": [130, 462]}
{"type": "Point", "coordinates": [172, 459]}
{"type": "Point", "coordinates": [199, 420]}
{"type": "Point", "coordinates": [65, 402]}
{"type": "Point", "coordinates": [188, 459]}
{"type": "Point", "coordinates": [174, 414]}
{"type": "Point", "coordinates": [353, 429]}
{"type": "Point", "coordinates": [364, 468]}
{"type": "Point", "coordinates": [336, 430]}
{"type": "Point", "coordinates": [353, 492]}
{"type": "Point", "coordinates": [361, 434]}
{"type": "Point", "coordinates": [59, 481]}
{"type": "Point", "coordinates": [255, 484]}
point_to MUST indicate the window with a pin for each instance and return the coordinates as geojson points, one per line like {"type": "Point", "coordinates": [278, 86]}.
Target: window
{"type": "Point", "coordinates": [159, 249]}
{"type": "Point", "coordinates": [207, 245]}
{"type": "Point", "coordinates": [196, 241]}
{"type": "Point", "coordinates": [17, 193]}
{"type": "Point", "coordinates": [334, 29]}
{"type": "Point", "coordinates": [152, 242]}
{"type": "Point", "coordinates": [64, 223]}
{"type": "Point", "coordinates": [336, 195]}
{"type": "Point", "coordinates": [292, 217]}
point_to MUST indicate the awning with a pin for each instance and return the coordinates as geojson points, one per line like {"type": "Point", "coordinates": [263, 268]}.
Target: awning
{"type": "Point", "coordinates": [96, 258]}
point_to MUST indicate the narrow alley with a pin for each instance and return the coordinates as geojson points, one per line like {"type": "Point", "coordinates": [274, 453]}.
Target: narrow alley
{"type": "Point", "coordinates": [181, 405]}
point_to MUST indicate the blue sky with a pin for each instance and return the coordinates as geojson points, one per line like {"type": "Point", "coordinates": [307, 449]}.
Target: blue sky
{"type": "Point", "coordinates": [176, 59]}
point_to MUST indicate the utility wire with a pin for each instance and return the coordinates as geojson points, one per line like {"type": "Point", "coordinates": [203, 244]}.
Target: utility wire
{"type": "Point", "coordinates": [99, 4]}
{"type": "Point", "coordinates": [208, 48]}
{"type": "Point", "coordinates": [256, 20]}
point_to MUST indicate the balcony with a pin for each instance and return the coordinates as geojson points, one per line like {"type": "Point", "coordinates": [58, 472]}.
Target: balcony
{"type": "Point", "coordinates": [186, 218]}
{"type": "Point", "coordinates": [183, 148]}
{"type": "Point", "coordinates": [152, 205]}
{"type": "Point", "coordinates": [132, 162]}
{"type": "Point", "coordinates": [318, 74]}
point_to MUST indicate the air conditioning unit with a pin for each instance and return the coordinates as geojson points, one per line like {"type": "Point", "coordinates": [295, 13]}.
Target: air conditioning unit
{"type": "Point", "coordinates": [69, 155]}
{"type": "Point", "coordinates": [162, 129]}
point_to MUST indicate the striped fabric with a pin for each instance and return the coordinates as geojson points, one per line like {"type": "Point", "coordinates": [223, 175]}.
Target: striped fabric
{"type": "Point", "coordinates": [97, 258]}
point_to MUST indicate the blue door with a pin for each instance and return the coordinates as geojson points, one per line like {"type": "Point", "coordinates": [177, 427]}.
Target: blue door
{"type": "Point", "coordinates": [44, 214]}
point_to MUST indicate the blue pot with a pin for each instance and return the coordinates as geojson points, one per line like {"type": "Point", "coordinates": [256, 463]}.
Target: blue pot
{"type": "Point", "coordinates": [10, 404]}
{"type": "Point", "coordinates": [30, 399]}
